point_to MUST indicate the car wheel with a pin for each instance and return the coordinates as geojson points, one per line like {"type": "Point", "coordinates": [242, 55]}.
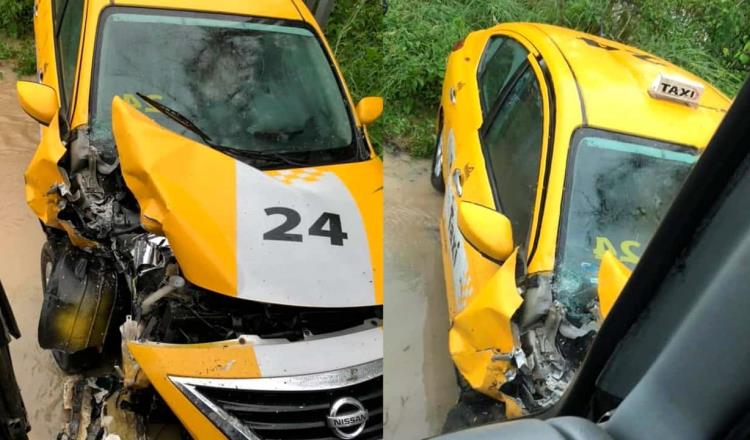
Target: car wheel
{"type": "Point", "coordinates": [436, 172]}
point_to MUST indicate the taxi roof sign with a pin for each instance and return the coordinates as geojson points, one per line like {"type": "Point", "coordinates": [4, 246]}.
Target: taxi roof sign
{"type": "Point", "coordinates": [675, 88]}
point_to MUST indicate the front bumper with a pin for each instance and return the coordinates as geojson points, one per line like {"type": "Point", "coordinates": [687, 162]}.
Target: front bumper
{"type": "Point", "coordinates": [247, 388]}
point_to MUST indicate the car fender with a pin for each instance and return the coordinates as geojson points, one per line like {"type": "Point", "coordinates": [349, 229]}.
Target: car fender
{"type": "Point", "coordinates": [481, 338]}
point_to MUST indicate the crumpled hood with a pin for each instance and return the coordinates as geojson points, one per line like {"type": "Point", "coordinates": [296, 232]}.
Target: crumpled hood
{"type": "Point", "coordinates": [303, 236]}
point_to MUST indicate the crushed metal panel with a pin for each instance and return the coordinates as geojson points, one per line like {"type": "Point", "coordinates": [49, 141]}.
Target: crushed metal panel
{"type": "Point", "coordinates": [482, 330]}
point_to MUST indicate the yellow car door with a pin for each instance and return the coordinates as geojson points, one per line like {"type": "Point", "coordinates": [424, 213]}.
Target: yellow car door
{"type": "Point", "coordinates": [474, 109]}
{"type": "Point", "coordinates": [58, 27]}
{"type": "Point", "coordinates": [491, 192]}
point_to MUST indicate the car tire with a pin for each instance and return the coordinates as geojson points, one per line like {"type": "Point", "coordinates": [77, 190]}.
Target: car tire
{"type": "Point", "coordinates": [436, 171]}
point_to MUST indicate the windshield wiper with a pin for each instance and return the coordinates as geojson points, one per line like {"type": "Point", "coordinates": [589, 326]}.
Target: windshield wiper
{"type": "Point", "coordinates": [178, 118]}
{"type": "Point", "coordinates": [187, 123]}
{"type": "Point", "coordinates": [257, 154]}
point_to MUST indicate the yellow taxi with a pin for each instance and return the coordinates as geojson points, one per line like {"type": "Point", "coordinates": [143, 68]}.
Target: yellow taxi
{"type": "Point", "coordinates": [213, 209]}
{"type": "Point", "coordinates": [559, 152]}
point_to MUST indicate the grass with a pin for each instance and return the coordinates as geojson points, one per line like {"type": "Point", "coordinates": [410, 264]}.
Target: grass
{"type": "Point", "coordinates": [418, 36]}
{"type": "Point", "coordinates": [19, 53]}
{"type": "Point", "coordinates": [708, 38]}
{"type": "Point", "coordinates": [355, 35]}
{"type": "Point", "coordinates": [16, 35]}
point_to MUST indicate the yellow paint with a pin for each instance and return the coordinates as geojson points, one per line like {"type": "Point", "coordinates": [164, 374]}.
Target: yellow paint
{"type": "Point", "coordinates": [42, 174]}
{"type": "Point", "coordinates": [38, 100]}
{"type": "Point", "coordinates": [369, 109]}
{"type": "Point", "coordinates": [614, 87]}
{"type": "Point", "coordinates": [186, 191]}
{"type": "Point", "coordinates": [289, 177]}
{"type": "Point", "coordinates": [486, 229]}
{"type": "Point", "coordinates": [613, 275]}
{"type": "Point", "coordinates": [482, 329]}
{"type": "Point", "coordinates": [627, 250]}
{"type": "Point", "coordinates": [218, 360]}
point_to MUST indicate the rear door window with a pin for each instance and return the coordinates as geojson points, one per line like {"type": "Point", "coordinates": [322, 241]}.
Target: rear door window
{"type": "Point", "coordinates": [500, 60]}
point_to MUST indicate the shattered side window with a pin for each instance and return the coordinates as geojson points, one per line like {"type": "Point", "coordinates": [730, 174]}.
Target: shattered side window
{"type": "Point", "coordinates": [617, 191]}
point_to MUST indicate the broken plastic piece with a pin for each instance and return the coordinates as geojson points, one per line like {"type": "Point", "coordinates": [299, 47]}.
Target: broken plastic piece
{"type": "Point", "coordinates": [175, 282]}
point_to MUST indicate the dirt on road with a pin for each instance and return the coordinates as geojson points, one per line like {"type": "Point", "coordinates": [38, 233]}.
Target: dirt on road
{"type": "Point", "coordinates": [420, 386]}
{"type": "Point", "coordinates": [20, 243]}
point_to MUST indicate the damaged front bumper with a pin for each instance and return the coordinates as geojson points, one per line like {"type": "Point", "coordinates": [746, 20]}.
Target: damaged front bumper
{"type": "Point", "coordinates": [249, 388]}
{"type": "Point", "coordinates": [514, 341]}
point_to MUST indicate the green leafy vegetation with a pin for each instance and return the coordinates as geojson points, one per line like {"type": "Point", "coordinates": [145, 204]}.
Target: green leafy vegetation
{"type": "Point", "coordinates": [708, 38]}
{"type": "Point", "coordinates": [16, 35]}
{"type": "Point", "coordinates": [355, 34]}
{"type": "Point", "coordinates": [20, 53]}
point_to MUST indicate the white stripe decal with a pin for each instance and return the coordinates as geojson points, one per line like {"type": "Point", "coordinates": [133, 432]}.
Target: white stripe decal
{"type": "Point", "coordinates": [300, 240]}
{"type": "Point", "coordinates": [319, 355]}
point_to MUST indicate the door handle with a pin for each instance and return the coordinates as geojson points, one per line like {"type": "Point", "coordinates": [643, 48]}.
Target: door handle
{"type": "Point", "coordinates": [457, 181]}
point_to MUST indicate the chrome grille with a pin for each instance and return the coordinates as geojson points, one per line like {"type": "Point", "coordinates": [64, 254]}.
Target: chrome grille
{"type": "Point", "coordinates": [295, 415]}
{"type": "Point", "coordinates": [287, 408]}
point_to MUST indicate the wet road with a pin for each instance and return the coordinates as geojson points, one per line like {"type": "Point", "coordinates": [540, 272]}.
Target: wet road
{"type": "Point", "coordinates": [420, 386]}
{"type": "Point", "coordinates": [20, 242]}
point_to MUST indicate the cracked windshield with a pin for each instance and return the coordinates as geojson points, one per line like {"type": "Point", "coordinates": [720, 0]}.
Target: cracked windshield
{"type": "Point", "coordinates": [263, 85]}
{"type": "Point", "coordinates": [620, 188]}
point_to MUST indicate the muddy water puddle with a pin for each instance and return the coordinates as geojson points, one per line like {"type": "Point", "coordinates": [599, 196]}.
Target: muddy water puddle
{"type": "Point", "coordinates": [21, 240]}
{"type": "Point", "coordinates": [420, 386]}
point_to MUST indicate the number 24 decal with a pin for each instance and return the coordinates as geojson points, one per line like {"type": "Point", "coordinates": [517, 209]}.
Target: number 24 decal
{"type": "Point", "coordinates": [135, 102]}
{"type": "Point", "coordinates": [293, 219]}
{"type": "Point", "coordinates": [603, 244]}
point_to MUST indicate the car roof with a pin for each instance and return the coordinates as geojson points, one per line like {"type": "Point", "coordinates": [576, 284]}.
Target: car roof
{"type": "Point", "coordinates": [285, 9]}
{"type": "Point", "coordinates": [613, 80]}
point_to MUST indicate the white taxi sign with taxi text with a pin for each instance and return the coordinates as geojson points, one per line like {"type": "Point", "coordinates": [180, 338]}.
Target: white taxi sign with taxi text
{"type": "Point", "coordinates": [676, 89]}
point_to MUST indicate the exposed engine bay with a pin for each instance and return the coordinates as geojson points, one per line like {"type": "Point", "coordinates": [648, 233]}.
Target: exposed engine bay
{"type": "Point", "coordinates": [553, 336]}
{"type": "Point", "coordinates": [108, 281]}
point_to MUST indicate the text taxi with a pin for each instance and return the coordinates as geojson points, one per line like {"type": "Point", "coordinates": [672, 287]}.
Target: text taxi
{"type": "Point", "coordinates": [557, 150]}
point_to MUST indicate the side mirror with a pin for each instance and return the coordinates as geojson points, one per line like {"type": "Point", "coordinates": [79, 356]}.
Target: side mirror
{"type": "Point", "coordinates": [369, 109]}
{"type": "Point", "coordinates": [486, 229]}
{"type": "Point", "coordinates": [38, 100]}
